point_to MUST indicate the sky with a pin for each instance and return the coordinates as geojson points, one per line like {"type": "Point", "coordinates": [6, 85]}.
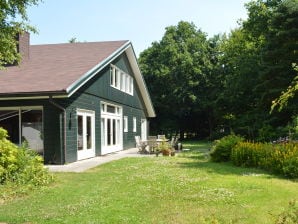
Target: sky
{"type": "Point", "coordinates": [140, 21]}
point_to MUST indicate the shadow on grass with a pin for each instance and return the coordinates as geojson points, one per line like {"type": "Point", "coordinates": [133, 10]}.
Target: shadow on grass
{"type": "Point", "coordinates": [201, 160]}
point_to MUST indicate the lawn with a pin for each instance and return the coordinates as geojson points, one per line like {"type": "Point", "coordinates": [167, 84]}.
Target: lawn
{"type": "Point", "coordinates": [182, 189]}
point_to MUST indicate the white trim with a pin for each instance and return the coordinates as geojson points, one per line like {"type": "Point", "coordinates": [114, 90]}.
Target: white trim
{"type": "Point", "coordinates": [134, 124]}
{"type": "Point", "coordinates": [125, 124]}
{"type": "Point", "coordinates": [144, 129]}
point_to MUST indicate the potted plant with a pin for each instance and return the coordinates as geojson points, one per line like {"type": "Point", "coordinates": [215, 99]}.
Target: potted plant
{"type": "Point", "coordinates": [164, 148]}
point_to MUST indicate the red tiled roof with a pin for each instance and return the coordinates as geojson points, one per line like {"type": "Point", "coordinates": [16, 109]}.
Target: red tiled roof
{"type": "Point", "coordinates": [54, 67]}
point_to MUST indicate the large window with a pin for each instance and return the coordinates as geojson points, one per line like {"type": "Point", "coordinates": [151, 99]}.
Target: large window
{"type": "Point", "coordinates": [24, 125]}
{"type": "Point", "coordinates": [121, 80]}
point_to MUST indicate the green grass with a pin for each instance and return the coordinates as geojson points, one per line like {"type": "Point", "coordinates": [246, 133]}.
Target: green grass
{"type": "Point", "coordinates": [182, 189]}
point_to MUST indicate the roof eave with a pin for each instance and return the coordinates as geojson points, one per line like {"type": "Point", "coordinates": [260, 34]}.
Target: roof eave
{"type": "Point", "coordinates": [140, 81]}
{"type": "Point", "coordinates": [33, 95]}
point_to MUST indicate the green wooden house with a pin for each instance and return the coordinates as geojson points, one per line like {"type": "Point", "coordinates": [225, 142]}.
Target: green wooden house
{"type": "Point", "coordinates": [75, 101]}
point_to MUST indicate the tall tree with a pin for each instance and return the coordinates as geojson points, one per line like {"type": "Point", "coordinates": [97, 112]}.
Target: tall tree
{"type": "Point", "coordinates": [176, 70]}
{"type": "Point", "coordinates": [258, 58]}
{"type": "Point", "coordinates": [13, 20]}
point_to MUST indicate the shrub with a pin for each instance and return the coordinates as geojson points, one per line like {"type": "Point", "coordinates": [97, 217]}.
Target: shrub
{"type": "Point", "coordinates": [20, 165]}
{"type": "Point", "coordinates": [276, 158]}
{"type": "Point", "coordinates": [221, 150]}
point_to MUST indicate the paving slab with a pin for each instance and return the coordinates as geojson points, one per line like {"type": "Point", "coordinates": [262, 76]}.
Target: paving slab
{"type": "Point", "coordinates": [83, 165]}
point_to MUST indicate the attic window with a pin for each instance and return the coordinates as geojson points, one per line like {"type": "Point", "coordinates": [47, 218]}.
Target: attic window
{"type": "Point", "coordinates": [121, 80]}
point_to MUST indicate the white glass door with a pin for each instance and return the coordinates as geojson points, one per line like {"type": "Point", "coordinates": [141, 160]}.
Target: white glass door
{"type": "Point", "coordinates": [85, 134]}
{"type": "Point", "coordinates": [111, 128]}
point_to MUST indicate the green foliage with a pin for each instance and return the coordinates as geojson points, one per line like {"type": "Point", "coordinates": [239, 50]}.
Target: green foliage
{"type": "Point", "coordinates": [276, 158]}
{"type": "Point", "coordinates": [177, 70]}
{"type": "Point", "coordinates": [282, 101]}
{"type": "Point", "coordinates": [13, 20]}
{"type": "Point", "coordinates": [20, 165]}
{"type": "Point", "coordinates": [222, 148]}
{"type": "Point", "coordinates": [290, 215]}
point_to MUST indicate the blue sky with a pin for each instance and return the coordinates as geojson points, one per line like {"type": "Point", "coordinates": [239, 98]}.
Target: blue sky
{"type": "Point", "coordinates": [140, 21]}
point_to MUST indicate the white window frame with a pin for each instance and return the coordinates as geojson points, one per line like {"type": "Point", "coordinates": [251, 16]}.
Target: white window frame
{"type": "Point", "coordinates": [134, 124]}
{"type": "Point", "coordinates": [121, 80]}
{"type": "Point", "coordinates": [125, 124]}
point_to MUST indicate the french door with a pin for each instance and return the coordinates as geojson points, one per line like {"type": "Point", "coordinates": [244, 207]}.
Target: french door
{"type": "Point", "coordinates": [85, 134]}
{"type": "Point", "coordinates": [111, 128]}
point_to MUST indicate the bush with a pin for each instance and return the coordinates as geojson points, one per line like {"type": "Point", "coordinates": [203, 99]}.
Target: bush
{"type": "Point", "coordinates": [221, 150]}
{"type": "Point", "coordinates": [276, 158]}
{"type": "Point", "coordinates": [20, 165]}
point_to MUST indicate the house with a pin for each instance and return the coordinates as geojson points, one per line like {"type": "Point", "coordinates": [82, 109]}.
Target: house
{"type": "Point", "coordinates": [75, 101]}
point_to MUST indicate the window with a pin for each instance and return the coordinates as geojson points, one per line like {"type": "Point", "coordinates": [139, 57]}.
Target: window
{"type": "Point", "coordinates": [110, 109]}
{"type": "Point", "coordinates": [134, 124]}
{"type": "Point", "coordinates": [121, 80]}
{"type": "Point", "coordinates": [125, 124]}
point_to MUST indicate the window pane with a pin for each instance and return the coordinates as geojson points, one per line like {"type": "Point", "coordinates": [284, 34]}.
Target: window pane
{"type": "Point", "coordinates": [32, 131]}
{"type": "Point", "coordinates": [114, 132]}
{"type": "Point", "coordinates": [127, 83]}
{"type": "Point", "coordinates": [9, 120]}
{"type": "Point", "coordinates": [122, 81]}
{"type": "Point", "coordinates": [103, 132]}
{"type": "Point", "coordinates": [89, 133]}
{"type": "Point", "coordinates": [109, 131]}
{"type": "Point", "coordinates": [116, 77]}
{"type": "Point", "coordinates": [80, 133]}
{"type": "Point", "coordinates": [111, 109]}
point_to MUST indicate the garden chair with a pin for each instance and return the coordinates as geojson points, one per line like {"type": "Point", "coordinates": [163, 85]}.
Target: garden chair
{"type": "Point", "coordinates": [141, 145]}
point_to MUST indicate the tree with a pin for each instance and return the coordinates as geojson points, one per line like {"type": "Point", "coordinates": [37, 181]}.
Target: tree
{"type": "Point", "coordinates": [282, 101]}
{"type": "Point", "coordinates": [176, 70]}
{"type": "Point", "coordinates": [13, 20]}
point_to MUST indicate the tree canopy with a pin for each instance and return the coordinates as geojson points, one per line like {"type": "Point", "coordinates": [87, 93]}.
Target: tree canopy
{"type": "Point", "coordinates": [227, 83]}
{"type": "Point", "coordinates": [13, 20]}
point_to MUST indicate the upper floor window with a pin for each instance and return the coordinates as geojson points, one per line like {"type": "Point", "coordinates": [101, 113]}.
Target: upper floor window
{"type": "Point", "coordinates": [121, 80]}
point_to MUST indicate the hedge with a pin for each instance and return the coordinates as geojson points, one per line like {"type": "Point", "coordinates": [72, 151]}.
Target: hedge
{"type": "Point", "coordinates": [276, 158]}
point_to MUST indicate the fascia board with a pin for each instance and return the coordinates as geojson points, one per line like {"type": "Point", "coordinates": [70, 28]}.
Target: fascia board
{"type": "Point", "coordinates": [140, 81]}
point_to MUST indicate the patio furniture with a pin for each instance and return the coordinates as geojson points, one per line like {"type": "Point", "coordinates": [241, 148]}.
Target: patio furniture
{"type": "Point", "coordinates": [161, 136]}
{"type": "Point", "coordinates": [152, 144]}
{"type": "Point", "coordinates": [141, 145]}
